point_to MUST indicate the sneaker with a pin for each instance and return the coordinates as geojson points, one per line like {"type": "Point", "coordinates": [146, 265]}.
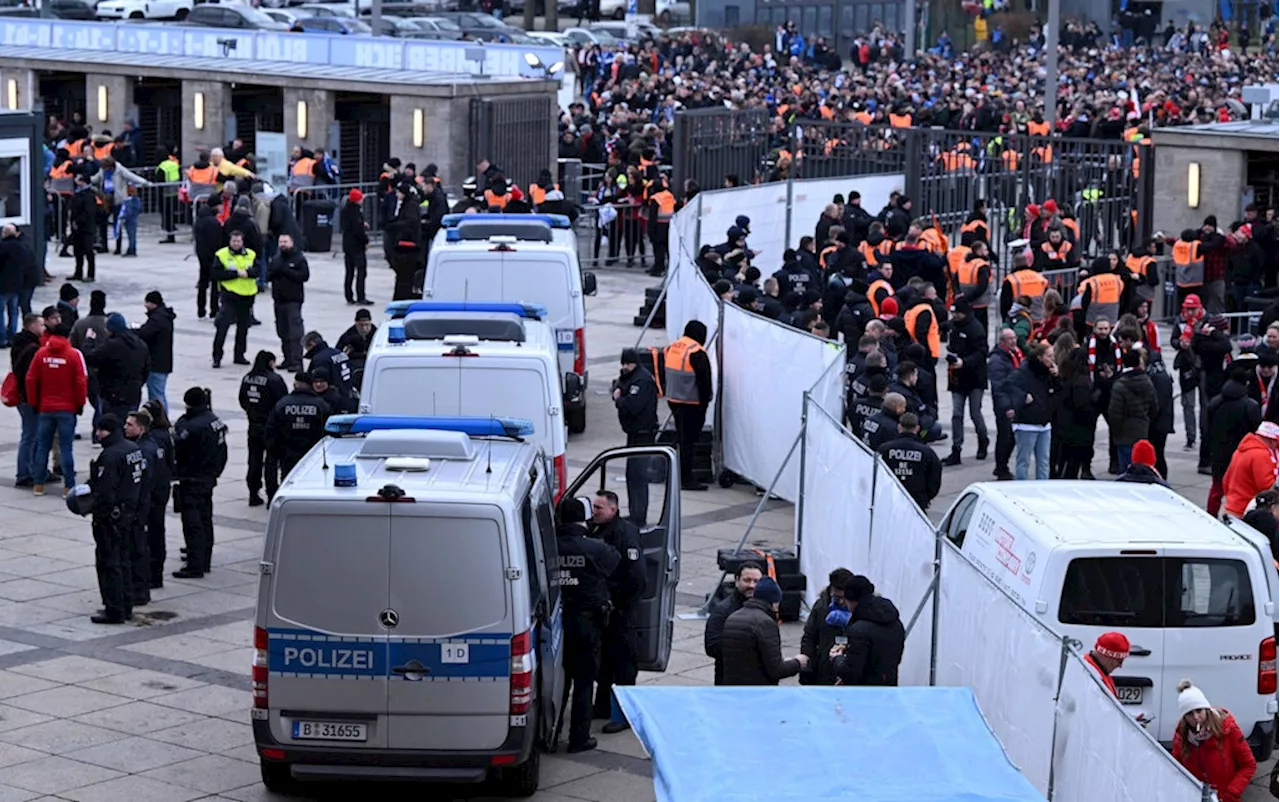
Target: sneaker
{"type": "Point", "coordinates": [66, 491]}
{"type": "Point", "coordinates": [37, 490]}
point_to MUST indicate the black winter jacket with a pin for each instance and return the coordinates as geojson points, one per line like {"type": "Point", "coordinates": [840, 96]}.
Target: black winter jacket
{"type": "Point", "coordinates": [638, 403]}
{"type": "Point", "coordinates": [1232, 415]}
{"type": "Point", "coordinates": [751, 647]}
{"type": "Point", "coordinates": [355, 237]}
{"type": "Point", "coordinates": [208, 234]}
{"type": "Point", "coordinates": [968, 341]}
{"type": "Point", "coordinates": [1212, 349]}
{"type": "Point", "coordinates": [876, 640]}
{"type": "Point", "coordinates": [816, 643]}
{"type": "Point", "coordinates": [1132, 407]}
{"type": "Point", "coordinates": [123, 363]}
{"type": "Point", "coordinates": [1033, 379]}
{"type": "Point", "coordinates": [157, 333]}
{"type": "Point", "coordinates": [288, 274]}
{"type": "Point", "coordinates": [712, 637]}
{"type": "Point", "coordinates": [1163, 384]}
{"type": "Point", "coordinates": [999, 369]}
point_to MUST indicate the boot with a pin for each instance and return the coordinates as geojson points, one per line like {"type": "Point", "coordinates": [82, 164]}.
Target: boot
{"type": "Point", "coordinates": [117, 247]}
{"type": "Point", "coordinates": [982, 448]}
{"type": "Point", "coordinates": [953, 459]}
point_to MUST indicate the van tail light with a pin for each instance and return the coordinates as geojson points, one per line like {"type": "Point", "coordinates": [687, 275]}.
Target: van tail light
{"type": "Point", "coordinates": [260, 668]}
{"type": "Point", "coordinates": [559, 478]}
{"type": "Point", "coordinates": [580, 352]}
{"type": "Point", "coordinates": [1267, 667]}
{"type": "Point", "coordinates": [522, 673]}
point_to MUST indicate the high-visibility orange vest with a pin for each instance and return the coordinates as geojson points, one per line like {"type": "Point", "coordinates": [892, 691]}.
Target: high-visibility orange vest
{"type": "Point", "coordinates": [863, 117]}
{"type": "Point", "coordinates": [1188, 264]}
{"type": "Point", "coordinates": [1011, 159]}
{"type": "Point", "coordinates": [101, 152]}
{"type": "Point", "coordinates": [979, 227]}
{"type": "Point", "coordinates": [1104, 298]}
{"type": "Point", "coordinates": [1070, 223]}
{"type": "Point", "coordinates": [966, 279]}
{"type": "Point", "coordinates": [956, 257]}
{"type": "Point", "coordinates": [822, 257]}
{"type": "Point", "coordinates": [933, 341]}
{"type": "Point", "coordinates": [1030, 283]}
{"type": "Point", "coordinates": [1043, 153]}
{"type": "Point", "coordinates": [537, 194]}
{"type": "Point", "coordinates": [1059, 254]}
{"type": "Point", "coordinates": [492, 198]}
{"type": "Point", "coordinates": [874, 255]}
{"type": "Point", "coordinates": [666, 205]}
{"type": "Point", "coordinates": [303, 166]}
{"type": "Point", "coordinates": [899, 120]}
{"type": "Point", "coordinates": [876, 286]}
{"type": "Point", "coordinates": [932, 241]}
{"type": "Point", "coordinates": [76, 148]}
{"type": "Point", "coordinates": [1138, 267]}
{"type": "Point", "coordinates": [682, 382]}
{"type": "Point", "coordinates": [1037, 129]}
{"type": "Point", "coordinates": [202, 175]}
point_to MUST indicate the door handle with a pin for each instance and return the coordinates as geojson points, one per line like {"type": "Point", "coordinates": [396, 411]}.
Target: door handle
{"type": "Point", "coordinates": [412, 670]}
{"type": "Point", "coordinates": [1137, 651]}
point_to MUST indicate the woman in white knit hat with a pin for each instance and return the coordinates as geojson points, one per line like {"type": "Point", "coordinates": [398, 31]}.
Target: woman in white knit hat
{"type": "Point", "coordinates": [1210, 745]}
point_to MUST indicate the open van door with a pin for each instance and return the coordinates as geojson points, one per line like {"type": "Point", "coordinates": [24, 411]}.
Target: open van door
{"type": "Point", "coordinates": [655, 472]}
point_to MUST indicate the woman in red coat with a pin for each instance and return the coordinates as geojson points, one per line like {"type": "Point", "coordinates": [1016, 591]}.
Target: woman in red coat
{"type": "Point", "coordinates": [1209, 744]}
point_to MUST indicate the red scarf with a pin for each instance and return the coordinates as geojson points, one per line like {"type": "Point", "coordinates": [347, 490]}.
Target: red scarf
{"type": "Point", "coordinates": [1016, 353]}
{"type": "Point", "coordinates": [1093, 352]}
{"type": "Point", "coordinates": [1150, 335]}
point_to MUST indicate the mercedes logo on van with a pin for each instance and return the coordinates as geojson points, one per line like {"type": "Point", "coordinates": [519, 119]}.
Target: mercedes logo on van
{"type": "Point", "coordinates": [1029, 564]}
{"type": "Point", "coordinates": [389, 619]}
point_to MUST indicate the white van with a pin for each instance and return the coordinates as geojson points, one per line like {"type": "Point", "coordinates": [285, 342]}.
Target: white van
{"type": "Point", "coordinates": [1196, 600]}
{"type": "Point", "coordinates": [477, 358]}
{"type": "Point", "coordinates": [520, 258]}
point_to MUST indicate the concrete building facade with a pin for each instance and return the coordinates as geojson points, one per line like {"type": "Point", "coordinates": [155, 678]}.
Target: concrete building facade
{"type": "Point", "coordinates": [1214, 169]}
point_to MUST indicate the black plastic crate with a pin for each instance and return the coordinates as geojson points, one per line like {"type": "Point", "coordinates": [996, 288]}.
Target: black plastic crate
{"type": "Point", "coordinates": [792, 601]}
{"type": "Point", "coordinates": [785, 562]}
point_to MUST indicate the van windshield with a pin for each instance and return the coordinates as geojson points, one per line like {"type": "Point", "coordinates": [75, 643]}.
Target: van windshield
{"type": "Point", "coordinates": [1159, 592]}
{"type": "Point", "coordinates": [510, 279]}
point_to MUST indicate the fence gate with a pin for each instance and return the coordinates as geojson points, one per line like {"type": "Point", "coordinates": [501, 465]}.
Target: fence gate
{"type": "Point", "coordinates": [713, 143]}
{"type": "Point", "coordinates": [364, 145]}
{"type": "Point", "coordinates": [514, 134]}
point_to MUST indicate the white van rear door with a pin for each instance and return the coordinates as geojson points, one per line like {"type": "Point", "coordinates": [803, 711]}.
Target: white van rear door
{"type": "Point", "coordinates": [543, 277]}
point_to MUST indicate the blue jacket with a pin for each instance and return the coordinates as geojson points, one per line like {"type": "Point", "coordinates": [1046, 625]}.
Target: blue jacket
{"type": "Point", "coordinates": [999, 368]}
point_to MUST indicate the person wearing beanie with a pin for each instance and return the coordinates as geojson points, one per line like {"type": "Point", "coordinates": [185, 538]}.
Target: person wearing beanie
{"type": "Point", "coordinates": [157, 334]}
{"type": "Point", "coordinates": [888, 308]}
{"type": "Point", "coordinates": [875, 638]}
{"type": "Point", "coordinates": [115, 478]}
{"type": "Point", "coordinates": [121, 364]}
{"type": "Point", "coordinates": [1132, 406]}
{"type": "Point", "coordinates": [1142, 469]}
{"type": "Point", "coordinates": [586, 563]}
{"type": "Point", "coordinates": [69, 304]}
{"type": "Point", "coordinates": [689, 393]}
{"type": "Point", "coordinates": [82, 218]}
{"type": "Point", "coordinates": [200, 456]}
{"type": "Point", "coordinates": [635, 396]}
{"type": "Point", "coordinates": [1107, 655]}
{"type": "Point", "coordinates": [355, 341]}
{"type": "Point", "coordinates": [751, 645]}
{"type": "Point", "coordinates": [1209, 744]}
{"type": "Point", "coordinates": [289, 274]}
{"type": "Point", "coordinates": [355, 245]}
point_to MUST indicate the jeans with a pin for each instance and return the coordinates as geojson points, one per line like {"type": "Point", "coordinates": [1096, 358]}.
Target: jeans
{"type": "Point", "coordinates": [128, 215]}
{"type": "Point", "coordinates": [974, 397]}
{"type": "Point", "coordinates": [1030, 441]}
{"type": "Point", "coordinates": [27, 441]}
{"type": "Point", "coordinates": [156, 383]}
{"type": "Point", "coordinates": [1124, 456]}
{"type": "Point", "coordinates": [64, 423]}
{"type": "Point", "coordinates": [9, 306]}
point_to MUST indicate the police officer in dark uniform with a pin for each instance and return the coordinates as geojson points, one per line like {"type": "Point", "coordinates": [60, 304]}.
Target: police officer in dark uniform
{"type": "Point", "coordinates": [136, 425]}
{"type": "Point", "coordinates": [322, 384]}
{"type": "Point", "coordinates": [865, 407]}
{"type": "Point", "coordinates": [635, 394]}
{"type": "Point", "coordinates": [158, 435]}
{"type": "Point", "coordinates": [321, 354]}
{"type": "Point", "coordinates": [294, 426]}
{"type": "Point", "coordinates": [585, 565]}
{"type": "Point", "coordinates": [200, 455]}
{"type": "Point", "coordinates": [116, 479]}
{"type": "Point", "coordinates": [260, 389]}
{"type": "Point", "coordinates": [626, 586]}
{"type": "Point", "coordinates": [914, 463]}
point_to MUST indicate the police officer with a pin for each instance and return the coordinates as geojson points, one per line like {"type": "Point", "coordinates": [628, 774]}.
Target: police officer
{"type": "Point", "coordinates": [321, 354]}
{"type": "Point", "coordinates": [626, 586]}
{"type": "Point", "coordinates": [159, 435]}
{"type": "Point", "coordinates": [585, 565]}
{"type": "Point", "coordinates": [115, 478]}
{"type": "Point", "coordinates": [322, 384]}
{"type": "Point", "coordinates": [295, 424]}
{"type": "Point", "coordinates": [914, 463]}
{"type": "Point", "coordinates": [866, 407]}
{"type": "Point", "coordinates": [635, 394]}
{"type": "Point", "coordinates": [260, 389]}
{"type": "Point", "coordinates": [200, 455]}
{"type": "Point", "coordinates": [136, 425]}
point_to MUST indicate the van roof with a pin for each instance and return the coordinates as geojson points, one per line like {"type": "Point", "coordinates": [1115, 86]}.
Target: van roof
{"type": "Point", "coordinates": [538, 336]}
{"type": "Point", "coordinates": [1111, 513]}
{"type": "Point", "coordinates": [562, 243]}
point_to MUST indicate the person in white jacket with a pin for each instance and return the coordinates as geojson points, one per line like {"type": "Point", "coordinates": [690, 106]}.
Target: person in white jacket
{"type": "Point", "coordinates": [117, 186]}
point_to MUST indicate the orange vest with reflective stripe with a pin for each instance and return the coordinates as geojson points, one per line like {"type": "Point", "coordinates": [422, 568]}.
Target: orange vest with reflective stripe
{"type": "Point", "coordinates": [876, 286]}
{"type": "Point", "coordinates": [1104, 299]}
{"type": "Point", "coordinates": [873, 254]}
{"type": "Point", "coordinates": [966, 278]}
{"type": "Point", "coordinates": [932, 341]}
{"type": "Point", "coordinates": [956, 257]}
{"type": "Point", "coordinates": [899, 120]}
{"type": "Point", "coordinates": [1071, 224]}
{"type": "Point", "coordinates": [303, 166]}
{"type": "Point", "coordinates": [101, 152]}
{"type": "Point", "coordinates": [1037, 129]}
{"type": "Point", "coordinates": [1137, 265]}
{"type": "Point", "coordinates": [537, 194]}
{"type": "Point", "coordinates": [492, 198]}
{"type": "Point", "coordinates": [682, 382]}
{"type": "Point", "coordinates": [202, 175]}
{"type": "Point", "coordinates": [1059, 254]}
{"type": "Point", "coordinates": [1188, 264]}
{"type": "Point", "coordinates": [1011, 159]}
{"type": "Point", "coordinates": [1030, 283]}
{"type": "Point", "coordinates": [822, 257]}
{"type": "Point", "coordinates": [666, 205]}
{"type": "Point", "coordinates": [976, 227]}
{"type": "Point", "coordinates": [932, 241]}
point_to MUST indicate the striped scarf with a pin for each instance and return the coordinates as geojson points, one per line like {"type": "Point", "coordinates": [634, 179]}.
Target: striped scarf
{"type": "Point", "coordinates": [1016, 353]}
{"type": "Point", "coordinates": [1093, 352]}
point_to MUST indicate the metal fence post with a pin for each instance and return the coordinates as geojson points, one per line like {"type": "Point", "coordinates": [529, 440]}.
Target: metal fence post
{"type": "Point", "coordinates": [791, 185]}
{"type": "Point", "coordinates": [717, 427]}
{"type": "Point", "coordinates": [1057, 700]}
{"type": "Point", "coordinates": [804, 427]}
{"type": "Point", "coordinates": [937, 609]}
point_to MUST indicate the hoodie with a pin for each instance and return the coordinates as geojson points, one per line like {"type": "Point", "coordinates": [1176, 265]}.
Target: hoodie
{"type": "Point", "coordinates": [123, 363]}
{"type": "Point", "coordinates": [876, 640]}
{"type": "Point", "coordinates": [1253, 469]}
{"type": "Point", "coordinates": [208, 233]}
{"type": "Point", "coordinates": [157, 333]}
{"type": "Point", "coordinates": [57, 380]}
{"type": "Point", "coordinates": [1232, 415]}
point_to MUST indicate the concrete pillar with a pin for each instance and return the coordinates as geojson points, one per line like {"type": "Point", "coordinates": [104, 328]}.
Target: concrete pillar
{"type": "Point", "coordinates": [19, 89]}
{"type": "Point", "coordinates": [314, 110]}
{"type": "Point", "coordinates": [445, 131]}
{"type": "Point", "coordinates": [109, 101]}
{"type": "Point", "coordinates": [215, 100]}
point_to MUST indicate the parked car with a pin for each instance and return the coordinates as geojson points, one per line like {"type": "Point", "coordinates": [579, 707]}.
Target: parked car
{"type": "Point", "coordinates": [144, 9]}
{"type": "Point", "coordinates": [482, 26]}
{"type": "Point", "coordinates": [627, 31]}
{"type": "Point", "coordinates": [280, 15]}
{"type": "Point", "coordinates": [669, 11]}
{"type": "Point", "coordinates": [338, 25]}
{"type": "Point", "coordinates": [398, 27]}
{"type": "Point", "coordinates": [325, 10]}
{"type": "Point", "coordinates": [515, 8]}
{"type": "Point", "coordinates": [436, 28]}
{"type": "Point", "coordinates": [613, 9]}
{"type": "Point", "coordinates": [207, 15]}
{"type": "Point", "coordinates": [580, 37]}
{"type": "Point", "coordinates": [73, 9]}
{"type": "Point", "coordinates": [549, 38]}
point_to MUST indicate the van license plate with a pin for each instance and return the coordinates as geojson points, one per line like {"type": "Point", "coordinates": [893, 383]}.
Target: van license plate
{"type": "Point", "coordinates": [329, 731]}
{"type": "Point", "coordinates": [1129, 694]}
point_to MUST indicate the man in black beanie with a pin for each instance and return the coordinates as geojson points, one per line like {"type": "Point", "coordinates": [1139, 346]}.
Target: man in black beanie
{"type": "Point", "coordinates": [116, 480]}
{"type": "Point", "coordinates": [200, 455]}
{"type": "Point", "coordinates": [689, 393]}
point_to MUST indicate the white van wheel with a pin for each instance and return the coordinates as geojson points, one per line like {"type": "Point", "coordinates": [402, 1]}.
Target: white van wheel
{"type": "Point", "coordinates": [577, 420]}
{"type": "Point", "coordinates": [522, 781]}
{"type": "Point", "coordinates": [277, 777]}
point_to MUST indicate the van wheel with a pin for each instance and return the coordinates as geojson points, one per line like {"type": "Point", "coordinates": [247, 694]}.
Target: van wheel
{"type": "Point", "coordinates": [137, 15]}
{"type": "Point", "coordinates": [182, 14]}
{"type": "Point", "coordinates": [522, 781]}
{"type": "Point", "coordinates": [276, 776]}
{"type": "Point", "coordinates": [578, 420]}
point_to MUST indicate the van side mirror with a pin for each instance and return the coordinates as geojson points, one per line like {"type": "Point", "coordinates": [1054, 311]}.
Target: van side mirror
{"type": "Point", "coordinates": [572, 385]}
{"type": "Point", "coordinates": [589, 283]}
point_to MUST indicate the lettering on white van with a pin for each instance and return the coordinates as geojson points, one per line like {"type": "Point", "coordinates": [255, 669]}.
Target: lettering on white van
{"type": "Point", "coordinates": [1235, 657]}
{"type": "Point", "coordinates": [328, 658]}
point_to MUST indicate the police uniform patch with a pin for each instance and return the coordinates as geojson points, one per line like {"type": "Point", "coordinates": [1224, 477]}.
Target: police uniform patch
{"type": "Point", "coordinates": [634, 389]}
{"type": "Point", "coordinates": [633, 554]}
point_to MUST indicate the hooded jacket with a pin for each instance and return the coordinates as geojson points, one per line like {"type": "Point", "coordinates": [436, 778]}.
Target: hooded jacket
{"type": "Point", "coordinates": [1033, 379]}
{"type": "Point", "coordinates": [876, 640]}
{"type": "Point", "coordinates": [207, 232]}
{"type": "Point", "coordinates": [1252, 470]}
{"type": "Point", "coordinates": [1132, 407]}
{"type": "Point", "coordinates": [1232, 415]}
{"type": "Point", "coordinates": [21, 351]}
{"type": "Point", "coordinates": [1226, 763]}
{"type": "Point", "coordinates": [57, 380]}
{"type": "Point", "coordinates": [355, 237]}
{"type": "Point", "coordinates": [123, 363]}
{"type": "Point", "coordinates": [157, 333]}
{"type": "Point", "coordinates": [751, 647]}
{"type": "Point", "coordinates": [289, 273]}
{"type": "Point", "coordinates": [241, 220]}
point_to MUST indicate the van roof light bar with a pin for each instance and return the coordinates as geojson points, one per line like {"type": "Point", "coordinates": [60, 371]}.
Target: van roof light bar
{"type": "Point", "coordinates": [402, 309]}
{"type": "Point", "coordinates": [515, 428]}
{"type": "Point", "coordinates": [552, 220]}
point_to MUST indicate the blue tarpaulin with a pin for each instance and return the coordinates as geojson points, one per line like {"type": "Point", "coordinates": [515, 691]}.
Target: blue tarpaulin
{"type": "Point", "coordinates": [816, 744]}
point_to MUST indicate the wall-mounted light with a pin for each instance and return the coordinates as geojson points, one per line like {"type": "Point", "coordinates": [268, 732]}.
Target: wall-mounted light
{"type": "Point", "coordinates": [102, 103]}
{"type": "Point", "coordinates": [419, 124]}
{"type": "Point", "coordinates": [1193, 185]}
{"type": "Point", "coordinates": [197, 101]}
{"type": "Point", "coordinates": [302, 119]}
{"type": "Point", "coordinates": [11, 93]}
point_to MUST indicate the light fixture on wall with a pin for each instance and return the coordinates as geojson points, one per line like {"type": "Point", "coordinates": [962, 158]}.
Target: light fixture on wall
{"type": "Point", "coordinates": [102, 103]}
{"type": "Point", "coordinates": [197, 102]}
{"type": "Point", "coordinates": [302, 119]}
{"type": "Point", "coordinates": [1193, 185]}
{"type": "Point", "coordinates": [11, 93]}
{"type": "Point", "coordinates": [419, 124]}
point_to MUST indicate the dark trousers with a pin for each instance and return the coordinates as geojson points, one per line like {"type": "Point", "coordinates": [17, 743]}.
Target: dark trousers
{"type": "Point", "coordinates": [357, 265]}
{"type": "Point", "coordinates": [980, 315]}
{"type": "Point", "coordinates": [110, 558]}
{"type": "Point", "coordinates": [689, 419]}
{"type": "Point", "coordinates": [1004, 442]}
{"type": "Point", "coordinates": [659, 239]}
{"type": "Point", "coordinates": [155, 533]}
{"type": "Point", "coordinates": [120, 409]}
{"type": "Point", "coordinates": [1076, 461]}
{"type": "Point", "coordinates": [235, 309]}
{"type": "Point", "coordinates": [169, 215]}
{"type": "Point", "coordinates": [289, 328]}
{"type": "Point", "coordinates": [82, 248]}
{"type": "Point", "coordinates": [617, 657]}
{"type": "Point", "coordinates": [1158, 442]}
{"type": "Point", "coordinates": [196, 500]}
{"type": "Point", "coordinates": [206, 288]}
{"type": "Point", "coordinates": [581, 662]}
{"type": "Point", "coordinates": [261, 465]}
{"type": "Point", "coordinates": [638, 480]}
{"type": "Point", "coordinates": [140, 556]}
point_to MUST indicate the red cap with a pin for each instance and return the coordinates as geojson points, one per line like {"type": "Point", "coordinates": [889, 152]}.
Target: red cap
{"type": "Point", "coordinates": [1050, 206]}
{"type": "Point", "coordinates": [1113, 645]}
{"type": "Point", "coordinates": [1144, 453]}
{"type": "Point", "coordinates": [889, 307]}
{"type": "Point", "coordinates": [1192, 301]}
{"type": "Point", "coordinates": [356, 196]}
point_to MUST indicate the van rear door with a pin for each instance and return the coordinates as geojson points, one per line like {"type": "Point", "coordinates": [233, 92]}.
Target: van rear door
{"type": "Point", "coordinates": [656, 470]}
{"type": "Point", "coordinates": [448, 679]}
{"type": "Point", "coordinates": [327, 652]}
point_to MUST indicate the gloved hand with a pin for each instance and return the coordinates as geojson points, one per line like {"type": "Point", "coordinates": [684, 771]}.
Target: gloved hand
{"type": "Point", "coordinates": [838, 617]}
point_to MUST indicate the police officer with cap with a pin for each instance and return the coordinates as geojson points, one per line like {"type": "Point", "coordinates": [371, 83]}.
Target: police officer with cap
{"type": "Point", "coordinates": [626, 586]}
{"type": "Point", "coordinates": [136, 426]}
{"type": "Point", "coordinates": [322, 384]}
{"type": "Point", "coordinates": [200, 455]}
{"type": "Point", "coordinates": [585, 565]}
{"type": "Point", "coordinates": [635, 394]}
{"type": "Point", "coordinates": [294, 426]}
{"type": "Point", "coordinates": [260, 389]}
{"type": "Point", "coordinates": [116, 480]}
{"type": "Point", "coordinates": [914, 463]}
{"type": "Point", "coordinates": [323, 355]}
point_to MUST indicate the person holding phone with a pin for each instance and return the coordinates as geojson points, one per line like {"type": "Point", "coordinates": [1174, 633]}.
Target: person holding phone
{"type": "Point", "coordinates": [875, 638]}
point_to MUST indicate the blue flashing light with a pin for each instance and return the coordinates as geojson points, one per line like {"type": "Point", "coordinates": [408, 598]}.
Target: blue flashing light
{"type": "Point", "coordinates": [553, 220]}
{"type": "Point", "coordinates": [395, 333]}
{"type": "Point", "coordinates": [402, 309]}
{"type": "Point", "coordinates": [344, 474]}
{"type": "Point", "coordinates": [471, 426]}
{"type": "Point", "coordinates": [452, 235]}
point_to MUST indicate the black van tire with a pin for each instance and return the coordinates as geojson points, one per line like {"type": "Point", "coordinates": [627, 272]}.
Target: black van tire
{"type": "Point", "coordinates": [522, 781]}
{"type": "Point", "coordinates": [578, 420]}
{"type": "Point", "coordinates": [277, 777]}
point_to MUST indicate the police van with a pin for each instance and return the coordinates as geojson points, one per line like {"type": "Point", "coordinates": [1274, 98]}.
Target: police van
{"type": "Point", "coordinates": [1196, 599]}
{"type": "Point", "coordinates": [519, 257]}
{"type": "Point", "coordinates": [407, 625]}
{"type": "Point", "coordinates": [471, 358]}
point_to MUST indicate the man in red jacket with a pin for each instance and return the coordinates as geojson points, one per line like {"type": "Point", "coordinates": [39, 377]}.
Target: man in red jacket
{"type": "Point", "coordinates": [57, 388]}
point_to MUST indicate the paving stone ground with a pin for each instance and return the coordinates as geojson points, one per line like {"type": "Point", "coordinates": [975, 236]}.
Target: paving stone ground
{"type": "Point", "coordinates": [158, 710]}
